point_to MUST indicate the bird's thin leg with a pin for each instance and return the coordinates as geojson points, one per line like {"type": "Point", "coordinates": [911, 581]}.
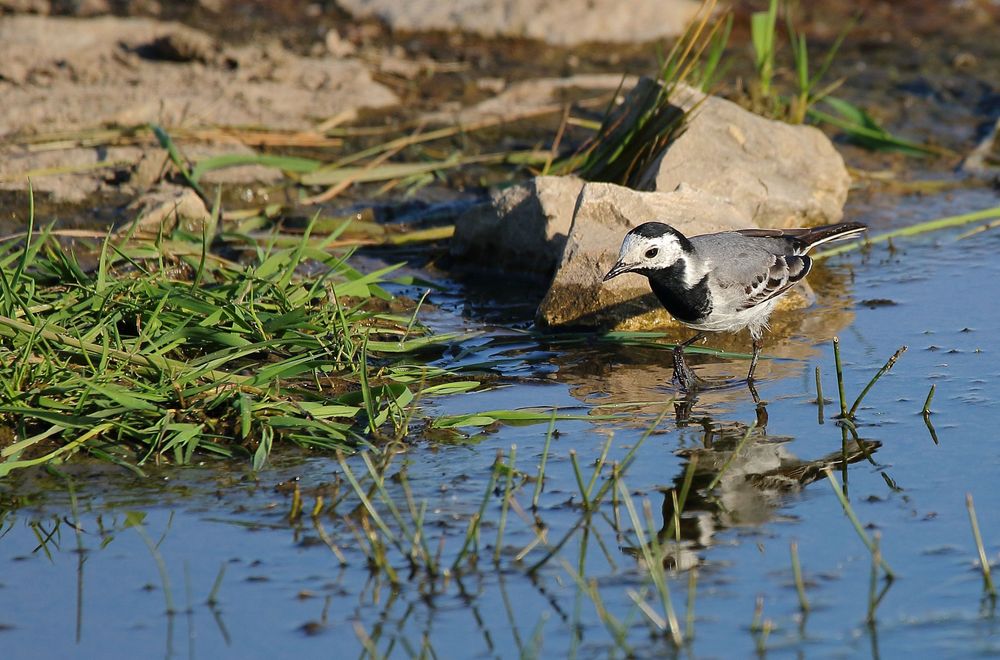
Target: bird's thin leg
{"type": "Point", "coordinates": [761, 407]}
{"type": "Point", "coordinates": [758, 344]}
{"type": "Point", "coordinates": [682, 372]}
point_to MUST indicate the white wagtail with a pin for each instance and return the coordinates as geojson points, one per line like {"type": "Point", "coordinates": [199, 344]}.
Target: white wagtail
{"type": "Point", "coordinates": [722, 282]}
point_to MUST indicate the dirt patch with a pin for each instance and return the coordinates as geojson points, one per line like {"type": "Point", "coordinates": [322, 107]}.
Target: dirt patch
{"type": "Point", "coordinates": [118, 72]}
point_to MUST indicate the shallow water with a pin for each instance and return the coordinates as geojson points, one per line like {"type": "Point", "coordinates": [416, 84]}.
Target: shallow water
{"type": "Point", "coordinates": [80, 574]}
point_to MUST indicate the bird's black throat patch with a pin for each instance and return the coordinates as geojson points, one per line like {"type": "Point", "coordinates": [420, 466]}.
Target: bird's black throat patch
{"type": "Point", "coordinates": [684, 304]}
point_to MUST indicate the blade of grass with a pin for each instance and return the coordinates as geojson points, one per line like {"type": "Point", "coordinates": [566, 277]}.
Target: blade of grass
{"type": "Point", "coordinates": [889, 574]}
{"type": "Point", "coordinates": [984, 563]}
{"type": "Point", "coordinates": [914, 230]}
{"type": "Point", "coordinates": [800, 586]}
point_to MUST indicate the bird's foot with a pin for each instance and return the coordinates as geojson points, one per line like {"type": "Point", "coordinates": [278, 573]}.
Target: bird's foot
{"type": "Point", "coordinates": [683, 407]}
{"type": "Point", "coordinates": [683, 374]}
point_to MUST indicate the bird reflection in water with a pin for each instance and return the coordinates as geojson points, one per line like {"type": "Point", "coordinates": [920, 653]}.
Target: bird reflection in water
{"type": "Point", "coordinates": [739, 477]}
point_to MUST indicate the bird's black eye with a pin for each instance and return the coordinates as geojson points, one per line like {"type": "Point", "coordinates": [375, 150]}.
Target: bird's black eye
{"type": "Point", "coordinates": [652, 252]}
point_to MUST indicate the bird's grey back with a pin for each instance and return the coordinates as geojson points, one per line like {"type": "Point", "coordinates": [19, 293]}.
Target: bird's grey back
{"type": "Point", "coordinates": [734, 258]}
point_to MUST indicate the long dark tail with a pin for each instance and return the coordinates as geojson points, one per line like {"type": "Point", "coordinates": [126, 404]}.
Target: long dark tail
{"type": "Point", "coordinates": [818, 235]}
{"type": "Point", "coordinates": [809, 237]}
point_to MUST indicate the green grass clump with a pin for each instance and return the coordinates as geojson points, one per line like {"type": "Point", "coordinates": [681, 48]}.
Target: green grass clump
{"type": "Point", "coordinates": [632, 136]}
{"type": "Point", "coordinates": [808, 87]}
{"type": "Point", "coordinates": [808, 90]}
{"type": "Point", "coordinates": [165, 351]}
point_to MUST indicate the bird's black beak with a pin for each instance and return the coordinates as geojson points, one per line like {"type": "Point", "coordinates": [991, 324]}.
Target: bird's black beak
{"type": "Point", "coordinates": [618, 269]}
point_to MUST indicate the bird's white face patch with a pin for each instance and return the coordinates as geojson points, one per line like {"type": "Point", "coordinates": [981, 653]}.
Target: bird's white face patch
{"type": "Point", "coordinates": [653, 253]}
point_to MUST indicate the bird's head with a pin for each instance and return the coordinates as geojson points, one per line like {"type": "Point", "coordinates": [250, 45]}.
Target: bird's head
{"type": "Point", "coordinates": [649, 247]}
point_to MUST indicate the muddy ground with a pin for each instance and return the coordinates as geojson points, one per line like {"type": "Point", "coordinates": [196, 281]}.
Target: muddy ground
{"type": "Point", "coordinates": [81, 82]}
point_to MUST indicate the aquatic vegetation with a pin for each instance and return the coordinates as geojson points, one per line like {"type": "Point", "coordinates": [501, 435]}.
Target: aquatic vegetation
{"type": "Point", "coordinates": [862, 129]}
{"type": "Point", "coordinates": [764, 96]}
{"type": "Point", "coordinates": [984, 562]}
{"type": "Point", "coordinates": [166, 350]}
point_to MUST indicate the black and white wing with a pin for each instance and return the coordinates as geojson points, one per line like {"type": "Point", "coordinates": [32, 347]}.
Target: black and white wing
{"type": "Point", "coordinates": [750, 270]}
{"type": "Point", "coordinates": [783, 273]}
{"type": "Point", "coordinates": [786, 263]}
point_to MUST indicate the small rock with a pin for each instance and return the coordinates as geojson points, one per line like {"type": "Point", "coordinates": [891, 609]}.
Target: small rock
{"type": "Point", "coordinates": [181, 44]}
{"type": "Point", "coordinates": [984, 160]}
{"type": "Point", "coordinates": [965, 60]}
{"type": "Point", "coordinates": [402, 66]}
{"type": "Point", "coordinates": [337, 46]}
{"type": "Point", "coordinates": [144, 8]}
{"type": "Point", "coordinates": [14, 72]}
{"type": "Point", "coordinates": [167, 208]}
{"type": "Point", "coordinates": [492, 85]}
{"type": "Point", "coordinates": [149, 170]}
{"type": "Point", "coordinates": [86, 8]}
{"type": "Point", "coordinates": [312, 628]}
{"type": "Point", "coordinates": [214, 6]}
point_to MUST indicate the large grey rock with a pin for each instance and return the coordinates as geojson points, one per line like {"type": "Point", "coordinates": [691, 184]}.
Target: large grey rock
{"type": "Point", "coordinates": [780, 175]}
{"type": "Point", "coordinates": [566, 22]}
{"type": "Point", "coordinates": [522, 229]}
{"type": "Point", "coordinates": [773, 174]}
{"type": "Point", "coordinates": [605, 212]}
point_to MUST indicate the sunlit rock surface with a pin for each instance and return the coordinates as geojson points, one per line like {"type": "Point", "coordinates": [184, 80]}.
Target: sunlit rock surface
{"type": "Point", "coordinates": [166, 208]}
{"type": "Point", "coordinates": [780, 175]}
{"type": "Point", "coordinates": [523, 228]}
{"type": "Point", "coordinates": [565, 23]}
